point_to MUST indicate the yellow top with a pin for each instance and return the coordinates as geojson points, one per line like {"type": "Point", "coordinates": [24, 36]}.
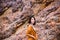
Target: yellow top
{"type": "Point", "coordinates": [31, 34]}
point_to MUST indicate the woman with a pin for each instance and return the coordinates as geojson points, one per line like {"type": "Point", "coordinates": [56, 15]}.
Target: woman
{"type": "Point", "coordinates": [31, 33]}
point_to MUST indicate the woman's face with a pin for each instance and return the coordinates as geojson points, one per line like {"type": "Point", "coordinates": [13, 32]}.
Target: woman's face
{"type": "Point", "coordinates": [32, 20]}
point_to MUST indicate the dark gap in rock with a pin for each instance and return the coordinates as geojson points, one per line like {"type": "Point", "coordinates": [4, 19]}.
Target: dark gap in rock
{"type": "Point", "coordinates": [53, 9]}
{"type": "Point", "coordinates": [58, 36]}
{"type": "Point", "coordinates": [47, 3]}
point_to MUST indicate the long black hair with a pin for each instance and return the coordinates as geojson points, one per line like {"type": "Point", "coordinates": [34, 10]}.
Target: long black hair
{"type": "Point", "coordinates": [30, 20]}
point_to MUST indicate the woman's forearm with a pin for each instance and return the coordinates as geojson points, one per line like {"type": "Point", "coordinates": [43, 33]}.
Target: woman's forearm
{"type": "Point", "coordinates": [31, 36]}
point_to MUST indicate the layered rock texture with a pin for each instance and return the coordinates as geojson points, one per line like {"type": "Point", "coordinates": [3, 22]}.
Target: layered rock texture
{"type": "Point", "coordinates": [14, 16]}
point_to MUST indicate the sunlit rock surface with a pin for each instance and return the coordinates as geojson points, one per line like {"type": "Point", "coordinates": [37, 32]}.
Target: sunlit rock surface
{"type": "Point", "coordinates": [14, 16]}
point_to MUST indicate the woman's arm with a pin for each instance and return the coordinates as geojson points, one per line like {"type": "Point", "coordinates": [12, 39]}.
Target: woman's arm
{"type": "Point", "coordinates": [31, 36]}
